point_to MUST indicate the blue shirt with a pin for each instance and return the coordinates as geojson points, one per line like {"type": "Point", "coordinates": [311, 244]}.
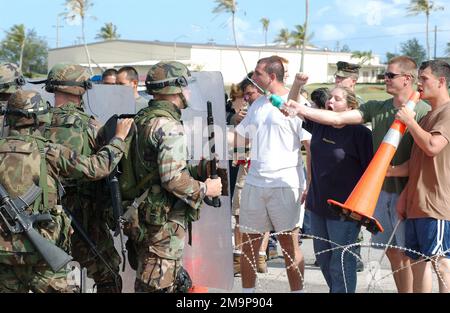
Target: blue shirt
{"type": "Point", "coordinates": [339, 157]}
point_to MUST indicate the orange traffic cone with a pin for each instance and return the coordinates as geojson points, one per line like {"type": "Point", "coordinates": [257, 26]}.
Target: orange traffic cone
{"type": "Point", "coordinates": [361, 203]}
{"type": "Point", "coordinates": [198, 289]}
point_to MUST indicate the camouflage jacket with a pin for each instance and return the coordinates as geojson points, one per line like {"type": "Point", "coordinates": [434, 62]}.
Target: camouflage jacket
{"type": "Point", "coordinates": [21, 166]}
{"type": "Point", "coordinates": [161, 154]}
{"type": "Point", "coordinates": [78, 131]}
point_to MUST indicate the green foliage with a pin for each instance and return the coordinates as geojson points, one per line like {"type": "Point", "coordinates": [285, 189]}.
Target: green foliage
{"type": "Point", "coordinates": [345, 48]}
{"type": "Point", "coordinates": [108, 32]}
{"type": "Point", "coordinates": [414, 49]}
{"type": "Point", "coordinates": [228, 6]}
{"type": "Point", "coordinates": [283, 37]}
{"type": "Point", "coordinates": [35, 50]}
{"type": "Point", "coordinates": [364, 56]}
{"type": "Point", "coordinates": [390, 55]}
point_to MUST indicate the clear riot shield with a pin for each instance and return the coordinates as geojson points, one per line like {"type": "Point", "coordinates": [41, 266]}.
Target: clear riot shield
{"type": "Point", "coordinates": [209, 260]}
{"type": "Point", "coordinates": [40, 87]}
{"type": "Point", "coordinates": [103, 101]}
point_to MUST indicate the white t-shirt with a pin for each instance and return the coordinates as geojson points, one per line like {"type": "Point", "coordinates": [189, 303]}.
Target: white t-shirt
{"type": "Point", "coordinates": [276, 158]}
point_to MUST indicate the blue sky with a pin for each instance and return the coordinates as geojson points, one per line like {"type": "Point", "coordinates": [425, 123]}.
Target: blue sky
{"type": "Point", "coordinates": [377, 25]}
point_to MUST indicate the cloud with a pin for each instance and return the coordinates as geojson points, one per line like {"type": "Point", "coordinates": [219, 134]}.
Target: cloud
{"type": "Point", "coordinates": [322, 11]}
{"type": "Point", "coordinates": [411, 29]}
{"type": "Point", "coordinates": [373, 11]}
{"type": "Point", "coordinates": [277, 25]}
{"type": "Point", "coordinates": [330, 32]}
{"type": "Point", "coordinates": [242, 28]}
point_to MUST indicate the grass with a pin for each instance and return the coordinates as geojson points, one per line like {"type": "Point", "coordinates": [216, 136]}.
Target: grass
{"type": "Point", "coordinates": [366, 91]}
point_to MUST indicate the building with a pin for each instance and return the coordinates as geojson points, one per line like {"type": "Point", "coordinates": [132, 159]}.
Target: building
{"type": "Point", "coordinates": [319, 64]}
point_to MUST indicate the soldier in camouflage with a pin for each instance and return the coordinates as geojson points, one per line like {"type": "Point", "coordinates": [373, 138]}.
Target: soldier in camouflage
{"type": "Point", "coordinates": [10, 81]}
{"type": "Point", "coordinates": [169, 196]}
{"type": "Point", "coordinates": [27, 158]}
{"type": "Point", "coordinates": [73, 128]}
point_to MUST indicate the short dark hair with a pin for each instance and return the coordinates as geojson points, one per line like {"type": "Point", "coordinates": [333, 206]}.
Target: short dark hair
{"type": "Point", "coordinates": [274, 65]}
{"type": "Point", "coordinates": [109, 72]}
{"type": "Point", "coordinates": [132, 74]}
{"type": "Point", "coordinates": [246, 81]}
{"type": "Point", "coordinates": [320, 96]}
{"type": "Point", "coordinates": [439, 68]}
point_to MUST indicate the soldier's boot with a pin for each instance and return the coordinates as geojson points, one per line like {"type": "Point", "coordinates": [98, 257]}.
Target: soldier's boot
{"type": "Point", "coordinates": [261, 266]}
{"type": "Point", "coordinates": [110, 287]}
{"type": "Point", "coordinates": [237, 264]}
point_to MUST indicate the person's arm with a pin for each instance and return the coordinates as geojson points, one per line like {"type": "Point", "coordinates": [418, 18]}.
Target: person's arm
{"type": "Point", "coordinates": [431, 143]}
{"type": "Point", "coordinates": [307, 145]}
{"type": "Point", "coordinates": [168, 138]}
{"type": "Point", "coordinates": [401, 204]}
{"type": "Point", "coordinates": [325, 117]}
{"type": "Point", "coordinates": [68, 163]}
{"type": "Point", "coordinates": [401, 170]}
{"type": "Point", "coordinates": [300, 80]}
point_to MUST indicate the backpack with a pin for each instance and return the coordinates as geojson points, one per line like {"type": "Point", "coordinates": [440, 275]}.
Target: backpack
{"type": "Point", "coordinates": [22, 164]}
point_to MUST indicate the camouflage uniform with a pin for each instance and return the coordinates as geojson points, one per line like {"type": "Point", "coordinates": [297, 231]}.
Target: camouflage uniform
{"type": "Point", "coordinates": [10, 81]}
{"type": "Point", "coordinates": [173, 196]}
{"type": "Point", "coordinates": [26, 158]}
{"type": "Point", "coordinates": [73, 128]}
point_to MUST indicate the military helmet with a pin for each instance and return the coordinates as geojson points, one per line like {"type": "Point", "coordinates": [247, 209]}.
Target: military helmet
{"type": "Point", "coordinates": [27, 107]}
{"type": "Point", "coordinates": [167, 78]}
{"type": "Point", "coordinates": [68, 78]}
{"type": "Point", "coordinates": [10, 78]}
{"type": "Point", "coordinates": [345, 69]}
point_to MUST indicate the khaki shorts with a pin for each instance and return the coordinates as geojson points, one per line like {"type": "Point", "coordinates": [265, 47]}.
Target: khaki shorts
{"type": "Point", "coordinates": [237, 194]}
{"type": "Point", "coordinates": [266, 209]}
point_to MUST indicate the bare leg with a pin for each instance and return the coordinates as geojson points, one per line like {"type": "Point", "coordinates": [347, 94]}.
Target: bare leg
{"type": "Point", "coordinates": [443, 267]}
{"type": "Point", "coordinates": [250, 248]}
{"type": "Point", "coordinates": [403, 278]}
{"type": "Point", "coordinates": [265, 242]}
{"type": "Point", "coordinates": [237, 235]}
{"type": "Point", "coordinates": [293, 259]}
{"type": "Point", "coordinates": [422, 279]}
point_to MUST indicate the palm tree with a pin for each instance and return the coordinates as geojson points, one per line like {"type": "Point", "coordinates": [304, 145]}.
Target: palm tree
{"type": "Point", "coordinates": [108, 32]}
{"type": "Point", "coordinates": [417, 7]}
{"type": "Point", "coordinates": [229, 6]}
{"type": "Point", "coordinates": [447, 51]}
{"type": "Point", "coordinates": [18, 36]}
{"type": "Point", "coordinates": [305, 38]}
{"type": "Point", "coordinates": [283, 37]}
{"type": "Point", "coordinates": [299, 37]}
{"type": "Point", "coordinates": [78, 9]}
{"type": "Point", "coordinates": [364, 56]}
{"type": "Point", "coordinates": [265, 24]}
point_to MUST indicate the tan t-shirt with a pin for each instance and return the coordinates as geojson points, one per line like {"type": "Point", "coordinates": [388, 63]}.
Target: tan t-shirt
{"type": "Point", "coordinates": [428, 188]}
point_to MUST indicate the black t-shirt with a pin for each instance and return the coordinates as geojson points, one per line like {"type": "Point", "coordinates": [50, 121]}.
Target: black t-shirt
{"type": "Point", "coordinates": [339, 157]}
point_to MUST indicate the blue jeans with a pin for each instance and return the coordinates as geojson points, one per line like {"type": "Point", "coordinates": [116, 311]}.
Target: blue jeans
{"type": "Point", "coordinates": [341, 233]}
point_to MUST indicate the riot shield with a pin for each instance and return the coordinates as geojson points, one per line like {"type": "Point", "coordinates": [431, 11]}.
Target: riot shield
{"type": "Point", "coordinates": [103, 101]}
{"type": "Point", "coordinates": [209, 260]}
{"type": "Point", "coordinates": [39, 86]}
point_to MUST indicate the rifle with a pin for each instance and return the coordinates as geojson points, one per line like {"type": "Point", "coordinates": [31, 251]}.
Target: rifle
{"type": "Point", "coordinates": [113, 183]}
{"type": "Point", "coordinates": [12, 211]}
{"type": "Point", "coordinates": [85, 237]}
{"type": "Point", "coordinates": [214, 202]}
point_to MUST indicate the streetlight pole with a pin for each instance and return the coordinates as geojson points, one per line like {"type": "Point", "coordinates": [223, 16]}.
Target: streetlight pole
{"type": "Point", "coordinates": [58, 26]}
{"type": "Point", "coordinates": [175, 46]}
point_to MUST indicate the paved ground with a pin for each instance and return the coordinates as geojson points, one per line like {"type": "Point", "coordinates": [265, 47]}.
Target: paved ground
{"type": "Point", "coordinates": [275, 281]}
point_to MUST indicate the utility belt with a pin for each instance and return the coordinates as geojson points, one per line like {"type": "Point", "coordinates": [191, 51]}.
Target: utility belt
{"type": "Point", "coordinates": [154, 207]}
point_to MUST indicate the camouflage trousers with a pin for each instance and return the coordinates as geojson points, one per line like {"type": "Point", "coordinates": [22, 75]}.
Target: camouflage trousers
{"type": "Point", "coordinates": [160, 258]}
{"type": "Point", "coordinates": [38, 279]}
{"type": "Point", "coordinates": [100, 235]}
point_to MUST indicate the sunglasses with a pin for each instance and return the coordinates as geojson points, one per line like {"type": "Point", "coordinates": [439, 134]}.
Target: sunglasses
{"type": "Point", "coordinates": [391, 75]}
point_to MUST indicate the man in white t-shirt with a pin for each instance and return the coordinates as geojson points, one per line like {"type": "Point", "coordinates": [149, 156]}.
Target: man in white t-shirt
{"type": "Point", "coordinates": [275, 182]}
